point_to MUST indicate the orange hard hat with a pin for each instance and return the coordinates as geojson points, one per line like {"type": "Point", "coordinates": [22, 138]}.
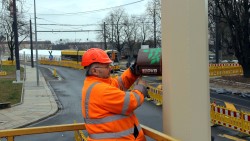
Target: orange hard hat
{"type": "Point", "coordinates": [95, 55]}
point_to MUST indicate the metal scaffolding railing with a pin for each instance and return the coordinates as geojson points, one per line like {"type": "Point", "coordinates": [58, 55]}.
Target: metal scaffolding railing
{"type": "Point", "coordinates": [77, 128]}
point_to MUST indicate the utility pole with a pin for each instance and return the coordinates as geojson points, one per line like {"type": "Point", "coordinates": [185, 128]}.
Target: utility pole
{"type": "Point", "coordinates": [16, 42]}
{"type": "Point", "coordinates": [105, 43]}
{"type": "Point", "coordinates": [31, 46]}
{"type": "Point", "coordinates": [37, 62]}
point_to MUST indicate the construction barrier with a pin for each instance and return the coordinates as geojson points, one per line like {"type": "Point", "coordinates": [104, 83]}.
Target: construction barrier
{"type": "Point", "coordinates": [70, 64]}
{"type": "Point", "coordinates": [155, 94]}
{"type": "Point", "coordinates": [8, 63]}
{"type": "Point", "coordinates": [228, 117]}
{"type": "Point", "coordinates": [236, 120]}
{"type": "Point", "coordinates": [224, 65]}
{"type": "Point", "coordinates": [79, 135]}
{"type": "Point", "coordinates": [3, 73]}
{"type": "Point", "coordinates": [115, 67]}
{"type": "Point", "coordinates": [214, 69]}
{"type": "Point", "coordinates": [55, 73]}
{"type": "Point", "coordinates": [226, 71]}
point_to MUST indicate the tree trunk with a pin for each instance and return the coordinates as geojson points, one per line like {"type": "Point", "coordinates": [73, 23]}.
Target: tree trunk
{"type": "Point", "coordinates": [246, 69]}
{"type": "Point", "coordinates": [12, 55]}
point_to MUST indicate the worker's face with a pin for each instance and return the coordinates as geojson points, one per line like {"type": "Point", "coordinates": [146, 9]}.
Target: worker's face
{"type": "Point", "coordinates": [102, 70]}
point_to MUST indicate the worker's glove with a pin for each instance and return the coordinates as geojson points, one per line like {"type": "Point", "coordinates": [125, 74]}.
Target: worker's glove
{"type": "Point", "coordinates": [133, 68]}
{"type": "Point", "coordinates": [142, 89]}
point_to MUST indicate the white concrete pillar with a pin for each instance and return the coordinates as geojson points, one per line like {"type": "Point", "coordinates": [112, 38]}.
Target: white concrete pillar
{"type": "Point", "coordinates": [186, 110]}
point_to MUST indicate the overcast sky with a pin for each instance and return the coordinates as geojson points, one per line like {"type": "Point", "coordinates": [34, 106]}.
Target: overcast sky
{"type": "Point", "coordinates": [76, 12]}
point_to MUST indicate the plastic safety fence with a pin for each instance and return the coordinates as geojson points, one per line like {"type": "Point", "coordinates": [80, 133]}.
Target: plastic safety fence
{"type": "Point", "coordinates": [224, 65]}
{"type": "Point", "coordinates": [3, 73]}
{"type": "Point", "coordinates": [155, 94]}
{"type": "Point", "coordinates": [225, 69]}
{"type": "Point", "coordinates": [214, 69]}
{"type": "Point", "coordinates": [70, 64]}
{"type": "Point", "coordinates": [8, 63]}
{"type": "Point", "coordinates": [220, 71]}
{"type": "Point", "coordinates": [115, 68]}
{"type": "Point", "coordinates": [79, 136]}
{"type": "Point", "coordinates": [236, 120]}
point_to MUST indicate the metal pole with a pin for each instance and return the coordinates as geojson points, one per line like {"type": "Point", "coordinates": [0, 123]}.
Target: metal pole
{"type": "Point", "coordinates": [24, 57]}
{"type": "Point", "coordinates": [37, 63]}
{"type": "Point", "coordinates": [31, 46]}
{"type": "Point", "coordinates": [16, 42]}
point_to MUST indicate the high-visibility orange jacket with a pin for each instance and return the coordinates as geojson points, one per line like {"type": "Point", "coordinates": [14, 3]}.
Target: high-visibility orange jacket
{"type": "Point", "coordinates": [108, 109]}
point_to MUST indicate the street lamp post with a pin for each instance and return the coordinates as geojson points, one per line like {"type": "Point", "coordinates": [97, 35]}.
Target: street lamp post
{"type": "Point", "coordinates": [37, 63]}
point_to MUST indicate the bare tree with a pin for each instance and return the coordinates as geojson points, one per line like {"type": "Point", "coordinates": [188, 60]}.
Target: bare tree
{"type": "Point", "coordinates": [143, 28]}
{"type": "Point", "coordinates": [131, 35]}
{"type": "Point", "coordinates": [7, 24]}
{"type": "Point", "coordinates": [236, 15]}
{"type": "Point", "coordinates": [114, 29]}
{"type": "Point", "coordinates": [154, 14]}
{"type": "Point", "coordinates": [211, 24]}
{"type": "Point", "coordinates": [2, 49]}
{"type": "Point", "coordinates": [2, 36]}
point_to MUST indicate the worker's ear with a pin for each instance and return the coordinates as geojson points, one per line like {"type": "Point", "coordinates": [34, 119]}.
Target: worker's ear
{"type": "Point", "coordinates": [94, 71]}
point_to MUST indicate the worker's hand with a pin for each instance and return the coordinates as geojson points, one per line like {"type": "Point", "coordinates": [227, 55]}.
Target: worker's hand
{"type": "Point", "coordinates": [140, 81]}
{"type": "Point", "coordinates": [142, 89]}
{"type": "Point", "coordinates": [133, 68]}
{"type": "Point", "coordinates": [141, 86]}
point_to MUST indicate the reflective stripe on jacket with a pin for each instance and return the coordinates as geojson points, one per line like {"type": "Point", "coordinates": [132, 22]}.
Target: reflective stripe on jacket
{"type": "Point", "coordinates": [108, 110]}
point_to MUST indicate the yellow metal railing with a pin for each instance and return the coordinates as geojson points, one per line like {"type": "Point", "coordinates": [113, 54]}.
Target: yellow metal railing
{"type": "Point", "coordinates": [156, 135]}
{"type": "Point", "coordinates": [76, 127]}
{"type": "Point", "coordinates": [11, 133]}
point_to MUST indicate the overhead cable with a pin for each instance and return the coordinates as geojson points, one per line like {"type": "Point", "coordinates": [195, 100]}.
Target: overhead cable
{"type": "Point", "coordinates": [92, 11]}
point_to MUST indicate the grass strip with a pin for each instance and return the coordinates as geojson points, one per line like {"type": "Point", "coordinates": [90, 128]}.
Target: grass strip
{"type": "Point", "coordinates": [9, 91]}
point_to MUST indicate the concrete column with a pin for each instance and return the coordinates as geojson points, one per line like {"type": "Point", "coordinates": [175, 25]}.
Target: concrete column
{"type": "Point", "coordinates": [186, 110]}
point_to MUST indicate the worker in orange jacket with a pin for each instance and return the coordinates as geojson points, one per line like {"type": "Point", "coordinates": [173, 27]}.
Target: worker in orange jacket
{"type": "Point", "coordinates": [107, 106]}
